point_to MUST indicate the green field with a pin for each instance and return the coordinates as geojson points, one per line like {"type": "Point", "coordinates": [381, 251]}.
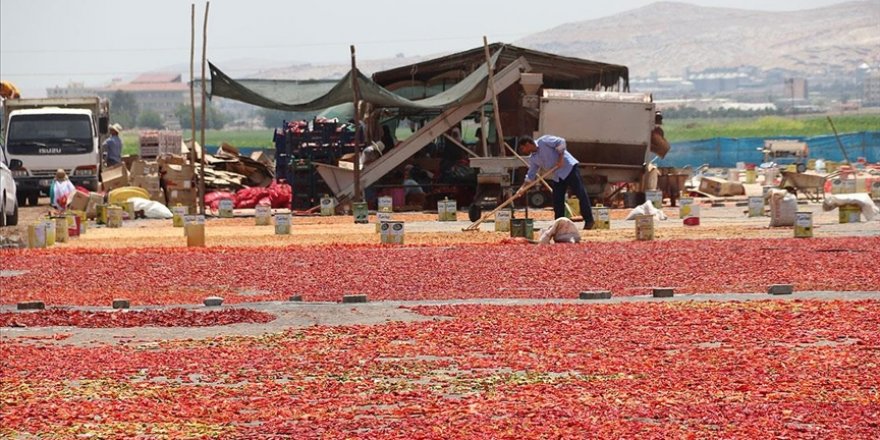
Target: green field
{"type": "Point", "coordinates": [676, 130]}
{"type": "Point", "coordinates": [239, 138]}
{"type": "Point", "coordinates": [767, 126]}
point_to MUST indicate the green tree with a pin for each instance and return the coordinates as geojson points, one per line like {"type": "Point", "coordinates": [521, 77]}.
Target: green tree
{"type": "Point", "coordinates": [123, 109]}
{"type": "Point", "coordinates": [150, 119]}
{"type": "Point", "coordinates": [215, 118]}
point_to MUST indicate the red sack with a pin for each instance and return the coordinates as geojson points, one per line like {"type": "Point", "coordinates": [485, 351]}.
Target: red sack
{"type": "Point", "coordinates": [212, 199]}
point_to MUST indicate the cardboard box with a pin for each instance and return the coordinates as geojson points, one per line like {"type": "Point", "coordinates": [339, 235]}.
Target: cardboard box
{"type": "Point", "coordinates": [179, 173]}
{"type": "Point", "coordinates": [114, 177]}
{"type": "Point", "coordinates": [144, 168]}
{"type": "Point", "coordinates": [129, 159]}
{"type": "Point", "coordinates": [720, 187]}
{"type": "Point", "coordinates": [95, 199]}
{"type": "Point", "coordinates": [79, 201]}
{"type": "Point", "coordinates": [179, 177]}
{"type": "Point", "coordinates": [261, 157]}
{"type": "Point", "coordinates": [347, 161]}
{"type": "Point", "coordinates": [181, 197]}
{"type": "Point", "coordinates": [158, 196]}
{"type": "Point", "coordinates": [148, 182]}
{"type": "Point", "coordinates": [170, 159]}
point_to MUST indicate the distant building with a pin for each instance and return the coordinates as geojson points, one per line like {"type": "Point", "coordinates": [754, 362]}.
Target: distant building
{"type": "Point", "coordinates": [719, 80]}
{"type": "Point", "coordinates": [871, 91]}
{"type": "Point", "coordinates": [73, 90]}
{"type": "Point", "coordinates": [796, 89]}
{"type": "Point", "coordinates": [158, 92]}
{"type": "Point", "coordinates": [707, 104]}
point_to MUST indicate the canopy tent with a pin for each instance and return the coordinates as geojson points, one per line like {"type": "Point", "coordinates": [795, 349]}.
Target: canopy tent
{"type": "Point", "coordinates": [317, 95]}
{"type": "Point", "coordinates": [559, 72]}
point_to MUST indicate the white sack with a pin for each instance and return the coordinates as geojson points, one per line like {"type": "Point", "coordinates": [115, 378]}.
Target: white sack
{"type": "Point", "coordinates": [869, 209]}
{"type": "Point", "coordinates": [151, 209]}
{"type": "Point", "coordinates": [646, 208]}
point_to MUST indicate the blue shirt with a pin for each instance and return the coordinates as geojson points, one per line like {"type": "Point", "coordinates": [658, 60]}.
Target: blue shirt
{"type": "Point", "coordinates": [549, 149]}
{"type": "Point", "coordinates": [113, 147]}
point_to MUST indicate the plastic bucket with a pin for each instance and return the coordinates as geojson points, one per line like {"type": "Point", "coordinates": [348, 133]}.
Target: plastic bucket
{"type": "Point", "coordinates": [522, 227]}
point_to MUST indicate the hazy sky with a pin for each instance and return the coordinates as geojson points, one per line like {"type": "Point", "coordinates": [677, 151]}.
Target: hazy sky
{"type": "Point", "coordinates": [53, 42]}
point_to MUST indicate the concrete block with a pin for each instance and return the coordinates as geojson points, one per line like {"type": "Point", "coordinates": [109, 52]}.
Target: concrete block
{"type": "Point", "coordinates": [663, 292]}
{"type": "Point", "coordinates": [596, 294]}
{"type": "Point", "coordinates": [780, 289]}
{"type": "Point", "coordinates": [358, 298]}
{"type": "Point", "coordinates": [121, 304]}
{"type": "Point", "coordinates": [213, 301]}
{"type": "Point", "coordinates": [31, 305]}
{"type": "Point", "coordinates": [295, 298]}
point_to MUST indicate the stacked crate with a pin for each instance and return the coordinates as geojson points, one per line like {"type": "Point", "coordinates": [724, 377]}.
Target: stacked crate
{"type": "Point", "coordinates": [153, 143]}
{"type": "Point", "coordinates": [145, 174]}
{"type": "Point", "coordinates": [148, 144]}
{"type": "Point", "coordinates": [179, 188]}
{"type": "Point", "coordinates": [170, 142]}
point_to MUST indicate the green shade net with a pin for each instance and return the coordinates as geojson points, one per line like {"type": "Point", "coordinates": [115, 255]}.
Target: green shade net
{"type": "Point", "coordinates": [317, 95]}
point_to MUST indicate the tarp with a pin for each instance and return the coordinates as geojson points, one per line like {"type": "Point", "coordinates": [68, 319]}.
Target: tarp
{"type": "Point", "coordinates": [307, 96]}
{"type": "Point", "coordinates": [726, 152]}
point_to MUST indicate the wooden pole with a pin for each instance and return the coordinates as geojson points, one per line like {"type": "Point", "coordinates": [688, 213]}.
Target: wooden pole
{"type": "Point", "coordinates": [357, 131]}
{"type": "Point", "coordinates": [484, 131]}
{"type": "Point", "coordinates": [192, 87]}
{"type": "Point", "coordinates": [495, 109]}
{"type": "Point", "coordinates": [204, 104]}
{"type": "Point", "coordinates": [842, 149]}
{"type": "Point", "coordinates": [498, 115]}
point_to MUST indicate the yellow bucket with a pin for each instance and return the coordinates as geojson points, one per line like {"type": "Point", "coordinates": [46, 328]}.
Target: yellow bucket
{"type": "Point", "coordinates": [601, 217]}
{"type": "Point", "coordinates": [803, 225]}
{"type": "Point", "coordinates": [644, 227]}
{"type": "Point", "coordinates": [849, 214]}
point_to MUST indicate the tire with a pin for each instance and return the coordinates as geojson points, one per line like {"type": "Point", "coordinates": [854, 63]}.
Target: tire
{"type": "Point", "coordinates": [537, 199]}
{"type": "Point", "coordinates": [12, 220]}
{"type": "Point", "coordinates": [34, 198]}
{"type": "Point", "coordinates": [22, 199]}
{"type": "Point", "coordinates": [3, 218]}
{"type": "Point", "coordinates": [475, 212]}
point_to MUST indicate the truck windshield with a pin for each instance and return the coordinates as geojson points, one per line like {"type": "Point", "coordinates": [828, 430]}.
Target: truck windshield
{"type": "Point", "coordinates": [49, 134]}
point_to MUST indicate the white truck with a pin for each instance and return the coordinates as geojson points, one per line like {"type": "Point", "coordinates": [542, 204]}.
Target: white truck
{"type": "Point", "coordinates": [50, 133]}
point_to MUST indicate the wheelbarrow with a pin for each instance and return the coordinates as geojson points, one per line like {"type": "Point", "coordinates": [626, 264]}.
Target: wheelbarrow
{"type": "Point", "coordinates": [810, 185]}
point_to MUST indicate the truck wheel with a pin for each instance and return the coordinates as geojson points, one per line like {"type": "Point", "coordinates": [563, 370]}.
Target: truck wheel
{"type": "Point", "coordinates": [537, 200]}
{"type": "Point", "coordinates": [475, 212]}
{"type": "Point", "coordinates": [22, 199]}
{"type": "Point", "coordinates": [34, 198]}
{"type": "Point", "coordinates": [12, 220]}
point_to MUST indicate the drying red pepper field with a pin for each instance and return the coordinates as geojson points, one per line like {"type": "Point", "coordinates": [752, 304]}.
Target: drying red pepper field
{"type": "Point", "coordinates": [482, 337]}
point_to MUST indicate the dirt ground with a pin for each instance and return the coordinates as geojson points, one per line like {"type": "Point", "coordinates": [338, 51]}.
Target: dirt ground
{"type": "Point", "coordinates": [729, 220]}
{"type": "Point", "coordinates": [299, 314]}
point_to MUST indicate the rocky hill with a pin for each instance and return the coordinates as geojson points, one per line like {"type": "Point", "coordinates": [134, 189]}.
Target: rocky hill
{"type": "Point", "coordinates": [668, 37]}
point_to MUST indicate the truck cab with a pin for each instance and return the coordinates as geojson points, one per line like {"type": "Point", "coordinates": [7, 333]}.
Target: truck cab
{"type": "Point", "coordinates": [51, 134]}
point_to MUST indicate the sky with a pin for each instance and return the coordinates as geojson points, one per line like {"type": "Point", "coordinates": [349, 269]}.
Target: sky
{"type": "Point", "coordinates": [45, 43]}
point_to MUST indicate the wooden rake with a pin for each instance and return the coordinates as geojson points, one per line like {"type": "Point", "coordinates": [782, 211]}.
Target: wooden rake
{"type": "Point", "coordinates": [475, 226]}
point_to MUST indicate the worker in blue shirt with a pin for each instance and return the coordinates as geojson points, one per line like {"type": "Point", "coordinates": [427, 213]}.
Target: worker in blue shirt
{"type": "Point", "coordinates": [548, 152]}
{"type": "Point", "coordinates": [113, 146]}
